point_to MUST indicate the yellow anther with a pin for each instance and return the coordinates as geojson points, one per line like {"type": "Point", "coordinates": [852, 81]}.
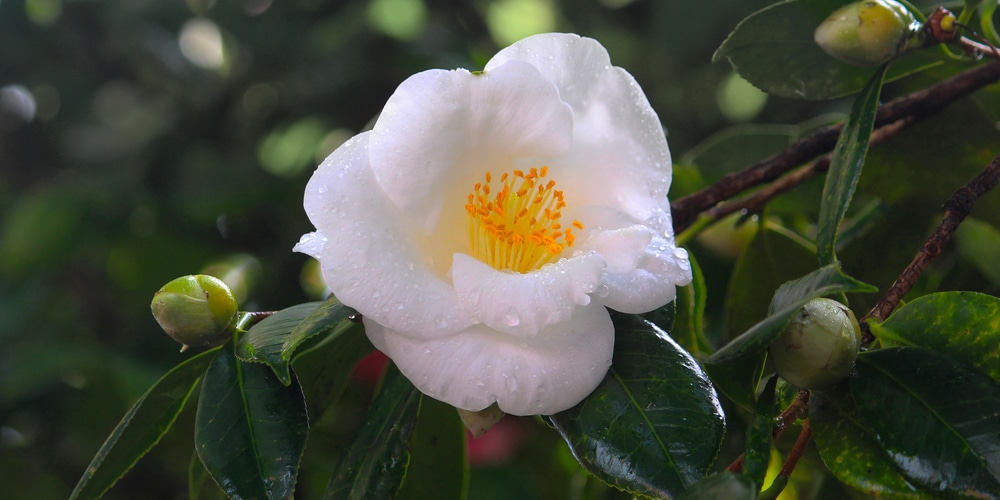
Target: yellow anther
{"type": "Point", "coordinates": [518, 229]}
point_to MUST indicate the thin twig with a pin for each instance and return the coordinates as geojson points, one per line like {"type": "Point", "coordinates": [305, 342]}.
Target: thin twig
{"type": "Point", "coordinates": [915, 106]}
{"type": "Point", "coordinates": [956, 209]}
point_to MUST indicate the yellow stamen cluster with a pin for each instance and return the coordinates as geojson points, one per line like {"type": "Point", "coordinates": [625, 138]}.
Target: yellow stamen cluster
{"type": "Point", "coordinates": [518, 228]}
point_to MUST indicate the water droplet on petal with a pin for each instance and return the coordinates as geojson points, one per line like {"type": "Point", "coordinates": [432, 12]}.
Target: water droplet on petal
{"type": "Point", "coordinates": [427, 350]}
{"type": "Point", "coordinates": [511, 318]}
{"type": "Point", "coordinates": [322, 189]}
{"type": "Point", "coordinates": [602, 290]}
{"type": "Point", "coordinates": [511, 383]}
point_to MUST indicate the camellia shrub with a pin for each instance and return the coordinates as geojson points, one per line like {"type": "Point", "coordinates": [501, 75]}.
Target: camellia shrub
{"type": "Point", "coordinates": [508, 237]}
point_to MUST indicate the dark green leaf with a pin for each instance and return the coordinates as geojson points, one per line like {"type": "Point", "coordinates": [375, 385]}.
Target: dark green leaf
{"type": "Point", "coordinates": [775, 256]}
{"type": "Point", "coordinates": [689, 322]}
{"type": "Point", "coordinates": [757, 454]}
{"type": "Point", "coordinates": [142, 426]}
{"type": "Point", "coordinates": [274, 340]}
{"type": "Point", "coordinates": [251, 429]}
{"type": "Point", "coordinates": [438, 466]}
{"type": "Point", "coordinates": [325, 368]}
{"type": "Point", "coordinates": [773, 49]}
{"type": "Point", "coordinates": [978, 242]}
{"type": "Point", "coordinates": [662, 317]}
{"type": "Point", "coordinates": [789, 298]}
{"type": "Point", "coordinates": [654, 425]}
{"type": "Point", "coordinates": [850, 451]}
{"type": "Point", "coordinates": [197, 475]}
{"type": "Point", "coordinates": [845, 167]}
{"type": "Point", "coordinates": [963, 325]}
{"type": "Point", "coordinates": [739, 378]}
{"type": "Point", "coordinates": [936, 418]}
{"type": "Point", "coordinates": [374, 466]}
{"type": "Point", "coordinates": [722, 486]}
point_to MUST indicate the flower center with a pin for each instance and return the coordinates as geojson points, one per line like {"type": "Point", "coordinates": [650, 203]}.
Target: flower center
{"type": "Point", "coordinates": [518, 228]}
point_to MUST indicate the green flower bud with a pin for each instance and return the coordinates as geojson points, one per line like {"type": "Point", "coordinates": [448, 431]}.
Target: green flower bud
{"type": "Point", "coordinates": [819, 346]}
{"type": "Point", "coordinates": [869, 33]}
{"type": "Point", "coordinates": [196, 310]}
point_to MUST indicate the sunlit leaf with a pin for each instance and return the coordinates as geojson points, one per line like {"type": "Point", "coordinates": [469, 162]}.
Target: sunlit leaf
{"type": "Point", "coordinates": [142, 426]}
{"type": "Point", "coordinates": [374, 465]}
{"type": "Point", "coordinates": [963, 325]}
{"type": "Point", "coordinates": [438, 467]}
{"type": "Point", "coordinates": [773, 49]}
{"type": "Point", "coordinates": [654, 425]}
{"type": "Point", "coordinates": [845, 167]}
{"type": "Point", "coordinates": [722, 486]}
{"type": "Point", "coordinates": [251, 429]}
{"type": "Point", "coordinates": [850, 451]}
{"type": "Point", "coordinates": [936, 418]}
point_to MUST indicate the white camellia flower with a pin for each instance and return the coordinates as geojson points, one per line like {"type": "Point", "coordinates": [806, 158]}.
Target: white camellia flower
{"type": "Point", "coordinates": [486, 222]}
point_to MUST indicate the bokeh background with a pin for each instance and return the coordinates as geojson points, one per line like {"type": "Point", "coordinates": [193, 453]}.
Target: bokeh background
{"type": "Point", "coordinates": [141, 140]}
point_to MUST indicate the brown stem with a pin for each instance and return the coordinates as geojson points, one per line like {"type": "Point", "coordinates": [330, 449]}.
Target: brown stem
{"type": "Point", "coordinates": [914, 106]}
{"type": "Point", "coordinates": [755, 202]}
{"type": "Point", "coordinates": [783, 422]}
{"type": "Point", "coordinates": [956, 209]}
{"type": "Point", "coordinates": [796, 453]}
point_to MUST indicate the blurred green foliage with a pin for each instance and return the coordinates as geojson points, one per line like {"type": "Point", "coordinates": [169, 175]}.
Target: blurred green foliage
{"type": "Point", "coordinates": [141, 140]}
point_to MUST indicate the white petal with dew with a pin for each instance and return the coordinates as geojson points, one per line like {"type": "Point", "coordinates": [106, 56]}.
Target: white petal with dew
{"type": "Point", "coordinates": [541, 375]}
{"type": "Point", "coordinates": [441, 131]}
{"type": "Point", "coordinates": [370, 259]}
{"type": "Point", "coordinates": [525, 304]}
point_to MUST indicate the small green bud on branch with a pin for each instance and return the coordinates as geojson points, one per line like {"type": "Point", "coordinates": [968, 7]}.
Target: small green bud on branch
{"type": "Point", "coordinates": [819, 346]}
{"type": "Point", "coordinates": [196, 310]}
{"type": "Point", "coordinates": [869, 33]}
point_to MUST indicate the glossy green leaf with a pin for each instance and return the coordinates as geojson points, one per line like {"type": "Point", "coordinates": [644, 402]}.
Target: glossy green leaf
{"type": "Point", "coordinates": [689, 318]}
{"type": "Point", "coordinates": [757, 449]}
{"type": "Point", "coordinates": [739, 378]}
{"type": "Point", "coordinates": [978, 243]}
{"type": "Point", "coordinates": [775, 256]}
{"type": "Point", "coordinates": [789, 298]}
{"type": "Point", "coordinates": [274, 340]}
{"type": "Point", "coordinates": [438, 466]}
{"type": "Point", "coordinates": [251, 429]}
{"type": "Point", "coordinates": [773, 49]}
{"type": "Point", "coordinates": [376, 461]}
{"type": "Point", "coordinates": [963, 325]}
{"type": "Point", "coordinates": [142, 426]}
{"type": "Point", "coordinates": [325, 369]}
{"type": "Point", "coordinates": [935, 417]}
{"type": "Point", "coordinates": [654, 425]}
{"type": "Point", "coordinates": [850, 451]}
{"type": "Point", "coordinates": [845, 167]}
{"type": "Point", "coordinates": [722, 486]}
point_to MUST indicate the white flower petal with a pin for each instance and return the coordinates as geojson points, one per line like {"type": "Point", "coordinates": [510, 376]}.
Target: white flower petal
{"type": "Point", "coordinates": [369, 252]}
{"type": "Point", "coordinates": [619, 156]}
{"type": "Point", "coordinates": [525, 304]}
{"type": "Point", "coordinates": [540, 375]}
{"type": "Point", "coordinates": [441, 131]}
